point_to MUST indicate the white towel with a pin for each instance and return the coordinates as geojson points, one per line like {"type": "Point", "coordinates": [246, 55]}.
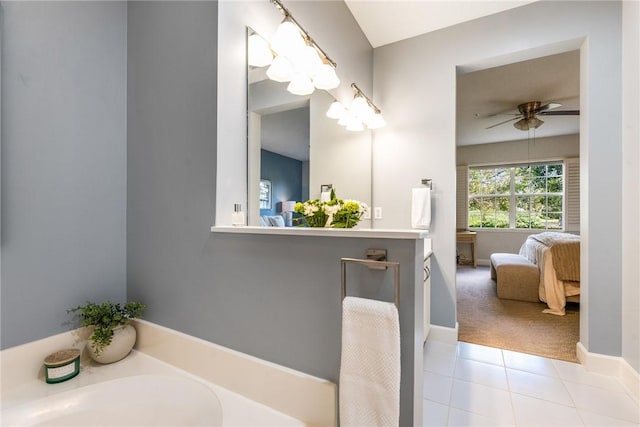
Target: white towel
{"type": "Point", "coordinates": [370, 363]}
{"type": "Point", "coordinates": [325, 196]}
{"type": "Point", "coordinates": [421, 208]}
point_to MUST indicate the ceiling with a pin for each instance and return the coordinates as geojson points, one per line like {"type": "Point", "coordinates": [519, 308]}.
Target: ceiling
{"type": "Point", "coordinates": [487, 97]}
{"type": "Point", "coordinates": [388, 21]}
{"type": "Point", "coordinates": [483, 97]}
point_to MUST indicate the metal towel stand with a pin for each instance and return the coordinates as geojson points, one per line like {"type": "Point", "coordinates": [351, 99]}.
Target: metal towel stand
{"type": "Point", "coordinates": [377, 265]}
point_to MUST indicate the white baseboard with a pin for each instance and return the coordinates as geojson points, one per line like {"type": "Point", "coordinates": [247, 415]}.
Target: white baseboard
{"type": "Point", "coordinates": [443, 334]}
{"type": "Point", "coordinates": [613, 366]}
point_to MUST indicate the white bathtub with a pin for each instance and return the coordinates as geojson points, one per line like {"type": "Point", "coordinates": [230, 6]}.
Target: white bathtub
{"type": "Point", "coordinates": [139, 400]}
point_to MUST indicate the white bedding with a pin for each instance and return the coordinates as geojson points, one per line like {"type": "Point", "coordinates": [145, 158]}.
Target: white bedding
{"type": "Point", "coordinates": [552, 290]}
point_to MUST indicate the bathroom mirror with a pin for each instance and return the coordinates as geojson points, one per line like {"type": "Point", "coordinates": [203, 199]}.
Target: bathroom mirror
{"type": "Point", "coordinates": [298, 149]}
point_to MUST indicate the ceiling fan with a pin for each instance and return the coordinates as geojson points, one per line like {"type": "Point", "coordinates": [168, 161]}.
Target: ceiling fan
{"type": "Point", "coordinates": [528, 112]}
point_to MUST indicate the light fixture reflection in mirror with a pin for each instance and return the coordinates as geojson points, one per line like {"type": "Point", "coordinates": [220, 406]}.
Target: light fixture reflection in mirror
{"type": "Point", "coordinates": [279, 123]}
{"type": "Point", "coordinates": [259, 52]}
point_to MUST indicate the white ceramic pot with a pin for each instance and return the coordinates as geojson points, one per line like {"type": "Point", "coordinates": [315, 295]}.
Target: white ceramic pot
{"type": "Point", "coordinates": [124, 337]}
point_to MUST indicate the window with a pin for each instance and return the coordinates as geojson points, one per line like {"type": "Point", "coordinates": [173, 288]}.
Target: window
{"type": "Point", "coordinates": [517, 196]}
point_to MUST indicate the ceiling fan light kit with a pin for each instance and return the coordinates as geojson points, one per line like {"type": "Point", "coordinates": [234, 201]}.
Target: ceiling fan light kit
{"type": "Point", "coordinates": [526, 124]}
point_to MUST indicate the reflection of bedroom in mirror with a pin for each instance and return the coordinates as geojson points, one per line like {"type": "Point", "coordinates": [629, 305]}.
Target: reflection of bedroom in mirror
{"type": "Point", "coordinates": [518, 205]}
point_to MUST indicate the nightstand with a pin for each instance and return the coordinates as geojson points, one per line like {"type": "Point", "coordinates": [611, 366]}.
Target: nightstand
{"type": "Point", "coordinates": [469, 237]}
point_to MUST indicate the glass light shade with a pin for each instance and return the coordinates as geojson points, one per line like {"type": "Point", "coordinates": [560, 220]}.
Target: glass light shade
{"type": "Point", "coordinates": [361, 108]}
{"type": "Point", "coordinates": [287, 41]}
{"type": "Point", "coordinates": [355, 124]}
{"type": "Point", "coordinates": [336, 110]}
{"type": "Point", "coordinates": [345, 119]}
{"type": "Point", "coordinates": [326, 78]}
{"type": "Point", "coordinates": [281, 70]}
{"type": "Point", "coordinates": [259, 51]}
{"type": "Point", "coordinates": [535, 122]}
{"type": "Point", "coordinates": [376, 121]}
{"type": "Point", "coordinates": [308, 60]}
{"type": "Point", "coordinates": [521, 124]}
{"type": "Point", "coordinates": [300, 85]}
{"type": "Point", "coordinates": [526, 124]}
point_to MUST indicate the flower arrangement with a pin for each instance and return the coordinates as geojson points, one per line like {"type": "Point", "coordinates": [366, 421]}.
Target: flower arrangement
{"type": "Point", "coordinates": [349, 214]}
{"type": "Point", "coordinates": [335, 213]}
{"type": "Point", "coordinates": [313, 212]}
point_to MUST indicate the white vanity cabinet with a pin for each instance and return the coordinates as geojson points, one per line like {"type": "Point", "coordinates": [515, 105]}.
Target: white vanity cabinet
{"type": "Point", "coordinates": [427, 294]}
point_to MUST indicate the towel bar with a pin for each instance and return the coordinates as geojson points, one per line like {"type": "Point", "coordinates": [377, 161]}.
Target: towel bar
{"type": "Point", "coordinates": [371, 263]}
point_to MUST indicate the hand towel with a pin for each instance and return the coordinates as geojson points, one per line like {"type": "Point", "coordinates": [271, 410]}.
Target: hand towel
{"type": "Point", "coordinates": [421, 208]}
{"type": "Point", "coordinates": [369, 364]}
{"type": "Point", "coordinates": [325, 196]}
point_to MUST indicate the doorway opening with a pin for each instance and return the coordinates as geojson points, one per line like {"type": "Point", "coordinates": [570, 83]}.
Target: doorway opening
{"type": "Point", "coordinates": [517, 158]}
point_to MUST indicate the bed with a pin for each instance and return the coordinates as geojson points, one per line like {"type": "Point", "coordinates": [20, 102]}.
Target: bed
{"type": "Point", "coordinates": [557, 255]}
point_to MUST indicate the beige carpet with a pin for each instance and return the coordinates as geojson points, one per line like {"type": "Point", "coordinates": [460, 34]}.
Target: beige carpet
{"type": "Point", "coordinates": [520, 326]}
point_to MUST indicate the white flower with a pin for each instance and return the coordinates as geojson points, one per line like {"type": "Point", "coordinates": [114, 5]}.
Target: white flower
{"type": "Point", "coordinates": [331, 210]}
{"type": "Point", "coordinates": [310, 209]}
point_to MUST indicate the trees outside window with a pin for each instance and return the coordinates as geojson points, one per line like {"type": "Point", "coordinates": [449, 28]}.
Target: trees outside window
{"type": "Point", "coordinates": [517, 196]}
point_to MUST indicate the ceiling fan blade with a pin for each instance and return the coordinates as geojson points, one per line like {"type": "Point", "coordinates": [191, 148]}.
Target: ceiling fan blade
{"type": "Point", "coordinates": [503, 122]}
{"type": "Point", "coordinates": [547, 107]}
{"type": "Point", "coordinates": [560, 113]}
{"type": "Point", "coordinates": [502, 114]}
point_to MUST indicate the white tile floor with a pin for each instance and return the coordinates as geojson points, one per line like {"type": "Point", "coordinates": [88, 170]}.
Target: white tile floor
{"type": "Point", "coordinates": [473, 385]}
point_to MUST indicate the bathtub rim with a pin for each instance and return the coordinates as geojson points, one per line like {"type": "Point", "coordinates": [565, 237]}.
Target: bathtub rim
{"type": "Point", "coordinates": [298, 395]}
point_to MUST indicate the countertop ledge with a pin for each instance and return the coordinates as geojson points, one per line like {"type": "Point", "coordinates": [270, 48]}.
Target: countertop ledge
{"type": "Point", "coordinates": [367, 233]}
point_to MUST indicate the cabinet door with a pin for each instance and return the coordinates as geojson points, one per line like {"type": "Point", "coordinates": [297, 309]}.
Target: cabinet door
{"type": "Point", "coordinates": [427, 296]}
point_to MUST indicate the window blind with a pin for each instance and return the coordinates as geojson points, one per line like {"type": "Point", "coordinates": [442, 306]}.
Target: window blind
{"type": "Point", "coordinates": [462, 200]}
{"type": "Point", "coordinates": [572, 194]}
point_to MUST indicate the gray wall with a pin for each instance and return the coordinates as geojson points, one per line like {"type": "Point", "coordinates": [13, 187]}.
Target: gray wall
{"type": "Point", "coordinates": [171, 157]}
{"type": "Point", "coordinates": [631, 179]}
{"type": "Point", "coordinates": [276, 298]}
{"type": "Point", "coordinates": [552, 148]}
{"type": "Point", "coordinates": [415, 81]}
{"type": "Point", "coordinates": [63, 162]}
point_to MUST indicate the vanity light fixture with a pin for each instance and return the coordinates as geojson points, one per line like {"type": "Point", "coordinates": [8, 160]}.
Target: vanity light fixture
{"type": "Point", "coordinates": [288, 40]}
{"type": "Point", "coordinates": [303, 56]}
{"type": "Point", "coordinates": [362, 111]}
{"type": "Point", "coordinates": [366, 110]}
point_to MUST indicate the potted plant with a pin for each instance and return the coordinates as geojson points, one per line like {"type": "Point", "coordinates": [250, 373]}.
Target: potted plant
{"type": "Point", "coordinates": [113, 336]}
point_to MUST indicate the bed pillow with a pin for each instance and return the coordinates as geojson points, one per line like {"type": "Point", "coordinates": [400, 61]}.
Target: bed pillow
{"type": "Point", "coordinates": [271, 221]}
